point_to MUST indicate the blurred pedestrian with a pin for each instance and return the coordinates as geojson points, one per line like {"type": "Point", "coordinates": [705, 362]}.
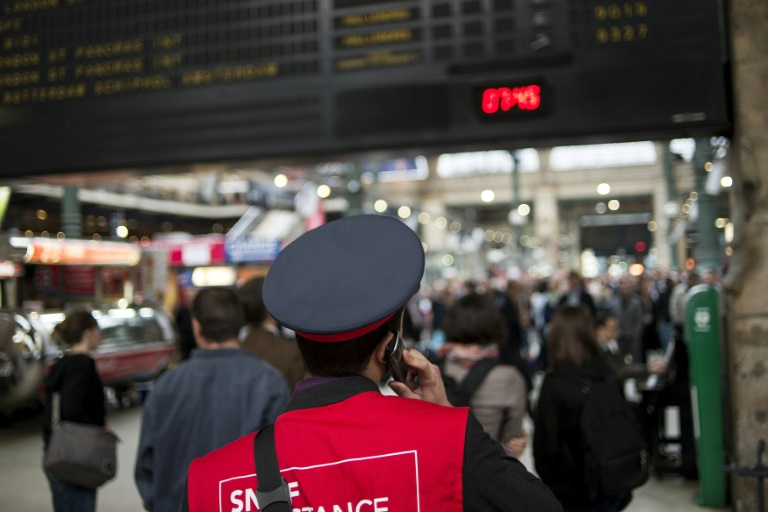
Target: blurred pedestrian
{"type": "Point", "coordinates": [629, 312]}
{"type": "Point", "coordinates": [577, 294]}
{"type": "Point", "coordinates": [474, 329]}
{"type": "Point", "coordinates": [623, 367]}
{"type": "Point", "coordinates": [81, 400]}
{"type": "Point", "coordinates": [262, 335]}
{"type": "Point", "coordinates": [558, 447]}
{"type": "Point", "coordinates": [219, 394]}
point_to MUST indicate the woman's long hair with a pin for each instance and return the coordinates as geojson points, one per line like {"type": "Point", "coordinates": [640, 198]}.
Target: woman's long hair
{"type": "Point", "coordinates": [571, 340]}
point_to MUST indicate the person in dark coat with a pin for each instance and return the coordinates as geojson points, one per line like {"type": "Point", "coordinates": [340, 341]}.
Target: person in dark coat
{"type": "Point", "coordinates": [558, 450]}
{"type": "Point", "coordinates": [577, 294]}
{"type": "Point", "coordinates": [262, 335]}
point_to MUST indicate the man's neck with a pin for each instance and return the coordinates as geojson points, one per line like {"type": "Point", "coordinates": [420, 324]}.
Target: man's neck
{"type": "Point", "coordinates": [232, 343]}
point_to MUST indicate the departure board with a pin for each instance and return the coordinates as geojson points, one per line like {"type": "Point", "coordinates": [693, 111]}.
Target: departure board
{"type": "Point", "coordinates": [100, 84]}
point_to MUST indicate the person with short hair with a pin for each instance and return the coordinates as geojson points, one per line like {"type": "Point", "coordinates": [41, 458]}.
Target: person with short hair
{"type": "Point", "coordinates": [262, 336]}
{"type": "Point", "coordinates": [342, 444]}
{"type": "Point", "coordinates": [474, 330]}
{"type": "Point", "coordinates": [219, 394]}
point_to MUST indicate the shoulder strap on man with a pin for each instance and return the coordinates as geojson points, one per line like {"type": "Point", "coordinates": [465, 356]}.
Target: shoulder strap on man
{"type": "Point", "coordinates": [272, 494]}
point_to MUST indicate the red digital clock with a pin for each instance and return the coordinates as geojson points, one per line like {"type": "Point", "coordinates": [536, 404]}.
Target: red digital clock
{"type": "Point", "coordinates": [506, 99]}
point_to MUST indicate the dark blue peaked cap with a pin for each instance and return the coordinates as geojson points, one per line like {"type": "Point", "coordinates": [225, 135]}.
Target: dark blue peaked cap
{"type": "Point", "coordinates": [345, 278]}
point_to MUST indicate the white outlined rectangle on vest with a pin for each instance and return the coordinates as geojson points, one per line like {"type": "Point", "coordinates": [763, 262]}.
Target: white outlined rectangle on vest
{"type": "Point", "coordinates": [378, 483]}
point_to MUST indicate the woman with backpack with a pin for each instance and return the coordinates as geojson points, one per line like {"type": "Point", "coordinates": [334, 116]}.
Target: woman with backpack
{"type": "Point", "coordinates": [590, 465]}
{"type": "Point", "coordinates": [474, 375]}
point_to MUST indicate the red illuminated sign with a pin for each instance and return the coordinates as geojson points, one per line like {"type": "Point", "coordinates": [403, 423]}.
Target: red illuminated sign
{"type": "Point", "coordinates": [504, 99]}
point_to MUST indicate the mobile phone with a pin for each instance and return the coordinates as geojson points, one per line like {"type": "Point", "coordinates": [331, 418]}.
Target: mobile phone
{"type": "Point", "coordinates": [394, 355]}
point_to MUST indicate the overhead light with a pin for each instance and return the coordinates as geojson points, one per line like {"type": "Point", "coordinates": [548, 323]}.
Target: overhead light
{"type": "Point", "coordinates": [424, 218]}
{"type": "Point", "coordinates": [323, 191]}
{"type": "Point", "coordinates": [614, 204]}
{"type": "Point", "coordinates": [380, 205]}
{"type": "Point", "coordinates": [603, 189]}
{"type": "Point", "coordinates": [726, 181]}
{"type": "Point", "coordinates": [281, 180]}
{"type": "Point", "coordinates": [524, 209]}
{"type": "Point", "coordinates": [404, 212]}
{"type": "Point", "coordinates": [487, 196]}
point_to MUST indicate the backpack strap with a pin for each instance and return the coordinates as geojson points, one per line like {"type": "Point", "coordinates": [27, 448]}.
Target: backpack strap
{"type": "Point", "coordinates": [272, 493]}
{"type": "Point", "coordinates": [477, 375]}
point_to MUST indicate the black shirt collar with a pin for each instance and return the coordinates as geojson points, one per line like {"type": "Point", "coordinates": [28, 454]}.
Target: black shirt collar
{"type": "Point", "coordinates": [331, 392]}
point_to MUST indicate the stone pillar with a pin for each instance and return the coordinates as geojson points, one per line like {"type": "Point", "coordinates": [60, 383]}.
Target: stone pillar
{"type": "Point", "coordinates": [547, 209]}
{"type": "Point", "coordinates": [430, 200]}
{"type": "Point", "coordinates": [546, 225]}
{"type": "Point", "coordinates": [746, 299]}
{"type": "Point", "coordinates": [662, 220]}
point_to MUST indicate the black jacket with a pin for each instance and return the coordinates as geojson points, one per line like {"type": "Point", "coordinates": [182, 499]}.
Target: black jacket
{"type": "Point", "coordinates": [558, 450]}
{"type": "Point", "coordinates": [82, 394]}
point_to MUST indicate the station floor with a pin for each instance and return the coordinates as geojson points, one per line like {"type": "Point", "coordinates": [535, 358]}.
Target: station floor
{"type": "Point", "coordinates": [23, 487]}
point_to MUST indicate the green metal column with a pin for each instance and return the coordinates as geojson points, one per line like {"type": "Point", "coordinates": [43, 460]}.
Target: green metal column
{"type": "Point", "coordinates": [71, 219]}
{"type": "Point", "coordinates": [669, 179]}
{"type": "Point", "coordinates": [707, 253]}
{"type": "Point", "coordinates": [516, 231]}
{"type": "Point", "coordinates": [702, 335]}
{"type": "Point", "coordinates": [354, 188]}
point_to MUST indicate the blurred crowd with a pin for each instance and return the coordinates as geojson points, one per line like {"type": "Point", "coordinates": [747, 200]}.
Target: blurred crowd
{"type": "Point", "coordinates": [648, 308]}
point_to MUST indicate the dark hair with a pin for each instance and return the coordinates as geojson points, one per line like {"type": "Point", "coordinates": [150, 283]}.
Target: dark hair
{"type": "Point", "coordinates": [220, 314]}
{"type": "Point", "coordinates": [250, 295]}
{"type": "Point", "coordinates": [71, 330]}
{"type": "Point", "coordinates": [344, 357]}
{"type": "Point", "coordinates": [602, 316]}
{"type": "Point", "coordinates": [475, 319]}
{"type": "Point", "coordinates": [571, 340]}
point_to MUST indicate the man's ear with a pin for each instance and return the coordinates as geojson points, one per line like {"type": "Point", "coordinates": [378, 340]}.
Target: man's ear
{"type": "Point", "coordinates": [197, 330]}
{"type": "Point", "coordinates": [381, 348]}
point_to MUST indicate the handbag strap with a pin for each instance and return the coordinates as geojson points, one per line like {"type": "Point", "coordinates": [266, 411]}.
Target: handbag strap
{"type": "Point", "coordinates": [272, 494]}
{"type": "Point", "coordinates": [55, 409]}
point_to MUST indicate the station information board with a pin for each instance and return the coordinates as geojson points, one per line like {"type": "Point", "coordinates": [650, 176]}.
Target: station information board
{"type": "Point", "coordinates": [97, 84]}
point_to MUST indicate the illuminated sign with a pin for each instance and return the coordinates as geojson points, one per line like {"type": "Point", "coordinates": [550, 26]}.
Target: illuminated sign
{"type": "Point", "coordinates": [9, 269]}
{"type": "Point", "coordinates": [505, 99]}
{"type": "Point", "coordinates": [81, 252]}
{"type": "Point", "coordinates": [123, 84]}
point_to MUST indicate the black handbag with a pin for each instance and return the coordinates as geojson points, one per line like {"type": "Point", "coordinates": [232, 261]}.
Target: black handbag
{"type": "Point", "coordinates": [78, 453]}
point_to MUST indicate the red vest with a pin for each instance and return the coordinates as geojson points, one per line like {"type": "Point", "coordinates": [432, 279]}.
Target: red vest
{"type": "Point", "coordinates": [368, 453]}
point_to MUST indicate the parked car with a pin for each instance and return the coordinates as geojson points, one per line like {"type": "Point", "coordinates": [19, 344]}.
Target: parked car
{"type": "Point", "coordinates": [137, 344]}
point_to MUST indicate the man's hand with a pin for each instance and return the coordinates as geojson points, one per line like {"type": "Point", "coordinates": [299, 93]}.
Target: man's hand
{"type": "Point", "coordinates": [430, 386]}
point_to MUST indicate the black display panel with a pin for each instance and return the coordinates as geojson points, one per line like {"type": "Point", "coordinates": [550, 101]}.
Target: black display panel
{"type": "Point", "coordinates": [98, 84]}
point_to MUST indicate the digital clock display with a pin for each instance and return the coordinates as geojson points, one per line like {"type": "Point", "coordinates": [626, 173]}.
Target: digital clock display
{"type": "Point", "coordinates": [503, 99]}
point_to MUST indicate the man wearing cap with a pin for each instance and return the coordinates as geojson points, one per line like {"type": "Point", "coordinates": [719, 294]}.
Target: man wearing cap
{"type": "Point", "coordinates": [342, 446]}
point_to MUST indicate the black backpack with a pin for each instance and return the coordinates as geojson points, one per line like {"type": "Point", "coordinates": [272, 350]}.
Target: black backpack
{"type": "Point", "coordinates": [615, 450]}
{"type": "Point", "coordinates": [460, 394]}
